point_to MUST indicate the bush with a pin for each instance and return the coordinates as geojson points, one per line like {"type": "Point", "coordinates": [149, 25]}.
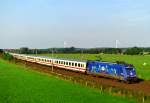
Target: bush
{"type": "Point", "coordinates": [7, 56]}
{"type": "Point", "coordinates": [98, 58]}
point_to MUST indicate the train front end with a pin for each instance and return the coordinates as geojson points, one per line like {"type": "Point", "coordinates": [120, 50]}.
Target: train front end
{"type": "Point", "coordinates": [130, 74]}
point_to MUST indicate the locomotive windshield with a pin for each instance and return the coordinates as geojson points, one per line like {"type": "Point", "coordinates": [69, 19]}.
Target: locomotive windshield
{"type": "Point", "coordinates": [129, 69]}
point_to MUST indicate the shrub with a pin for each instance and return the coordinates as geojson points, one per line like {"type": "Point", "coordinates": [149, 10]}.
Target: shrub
{"type": "Point", "coordinates": [7, 56]}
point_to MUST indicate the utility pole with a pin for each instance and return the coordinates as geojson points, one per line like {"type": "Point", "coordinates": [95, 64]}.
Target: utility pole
{"type": "Point", "coordinates": [81, 54]}
{"type": "Point", "coordinates": [52, 60]}
{"type": "Point", "coordinates": [36, 52]}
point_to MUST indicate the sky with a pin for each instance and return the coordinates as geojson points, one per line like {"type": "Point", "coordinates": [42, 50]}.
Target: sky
{"type": "Point", "coordinates": [78, 23]}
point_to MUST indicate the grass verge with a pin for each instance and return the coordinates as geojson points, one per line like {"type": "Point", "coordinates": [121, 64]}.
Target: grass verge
{"type": "Point", "coordinates": [22, 85]}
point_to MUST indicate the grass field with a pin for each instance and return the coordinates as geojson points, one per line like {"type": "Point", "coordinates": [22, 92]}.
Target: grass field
{"type": "Point", "coordinates": [143, 71]}
{"type": "Point", "coordinates": [23, 85]}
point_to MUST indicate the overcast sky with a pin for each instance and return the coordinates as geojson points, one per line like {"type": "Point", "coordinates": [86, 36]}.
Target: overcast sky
{"type": "Point", "coordinates": [80, 23]}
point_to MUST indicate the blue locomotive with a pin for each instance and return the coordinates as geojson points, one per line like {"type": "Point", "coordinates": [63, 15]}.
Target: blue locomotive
{"type": "Point", "coordinates": [125, 72]}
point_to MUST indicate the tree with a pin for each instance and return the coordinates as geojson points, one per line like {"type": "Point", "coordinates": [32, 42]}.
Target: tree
{"type": "Point", "coordinates": [133, 51]}
{"type": "Point", "coordinates": [1, 50]}
{"type": "Point", "coordinates": [70, 50]}
{"type": "Point", "coordinates": [24, 50]}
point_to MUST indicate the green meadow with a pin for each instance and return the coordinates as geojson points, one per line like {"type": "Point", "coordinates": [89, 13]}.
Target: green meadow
{"type": "Point", "coordinates": [141, 62]}
{"type": "Point", "coordinates": [19, 84]}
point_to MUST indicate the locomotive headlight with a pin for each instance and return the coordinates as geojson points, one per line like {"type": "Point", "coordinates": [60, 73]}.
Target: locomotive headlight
{"type": "Point", "coordinates": [131, 73]}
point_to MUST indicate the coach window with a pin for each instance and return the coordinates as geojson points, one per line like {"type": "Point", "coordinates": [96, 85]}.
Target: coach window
{"type": "Point", "coordinates": [79, 65]}
{"type": "Point", "coordinates": [69, 63]}
{"type": "Point", "coordinates": [72, 64]}
{"type": "Point", "coordinates": [75, 64]}
{"type": "Point", "coordinates": [66, 63]}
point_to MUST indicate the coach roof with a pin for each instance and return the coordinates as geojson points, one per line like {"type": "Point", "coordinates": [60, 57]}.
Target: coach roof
{"type": "Point", "coordinates": [65, 59]}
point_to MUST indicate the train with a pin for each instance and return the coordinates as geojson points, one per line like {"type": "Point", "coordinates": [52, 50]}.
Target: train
{"type": "Point", "coordinates": [120, 71]}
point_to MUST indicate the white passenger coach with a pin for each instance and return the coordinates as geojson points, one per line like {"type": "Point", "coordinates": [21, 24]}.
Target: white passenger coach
{"type": "Point", "coordinates": [74, 65]}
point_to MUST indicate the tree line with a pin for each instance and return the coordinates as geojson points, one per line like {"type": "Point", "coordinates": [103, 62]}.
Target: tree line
{"type": "Point", "coordinates": [128, 51]}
